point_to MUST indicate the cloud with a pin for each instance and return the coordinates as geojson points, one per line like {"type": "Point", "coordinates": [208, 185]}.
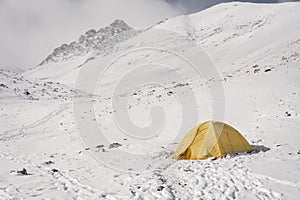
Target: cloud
{"type": "Point", "coordinates": [31, 29]}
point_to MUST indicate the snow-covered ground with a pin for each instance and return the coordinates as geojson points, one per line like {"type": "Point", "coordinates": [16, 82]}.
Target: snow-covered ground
{"type": "Point", "coordinates": [103, 123]}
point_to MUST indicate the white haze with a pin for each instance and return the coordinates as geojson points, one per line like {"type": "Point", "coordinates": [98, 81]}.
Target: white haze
{"type": "Point", "coordinates": [31, 29]}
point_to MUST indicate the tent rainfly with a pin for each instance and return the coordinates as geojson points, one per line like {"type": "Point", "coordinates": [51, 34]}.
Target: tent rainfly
{"type": "Point", "coordinates": [211, 139]}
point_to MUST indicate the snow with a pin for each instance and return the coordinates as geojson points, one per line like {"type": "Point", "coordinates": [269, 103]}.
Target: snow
{"type": "Point", "coordinates": [144, 95]}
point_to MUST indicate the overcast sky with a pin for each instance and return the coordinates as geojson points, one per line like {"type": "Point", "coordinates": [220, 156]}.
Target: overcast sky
{"type": "Point", "coordinates": [31, 29]}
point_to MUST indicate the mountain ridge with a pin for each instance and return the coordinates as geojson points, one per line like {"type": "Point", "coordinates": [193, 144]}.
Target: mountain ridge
{"type": "Point", "coordinates": [101, 40]}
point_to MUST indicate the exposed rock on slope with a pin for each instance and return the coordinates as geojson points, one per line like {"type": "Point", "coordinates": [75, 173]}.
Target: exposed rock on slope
{"type": "Point", "coordinates": [101, 40]}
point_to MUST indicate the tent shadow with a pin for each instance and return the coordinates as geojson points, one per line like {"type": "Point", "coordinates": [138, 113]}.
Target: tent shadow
{"type": "Point", "coordinates": [259, 148]}
{"type": "Point", "coordinates": [256, 149]}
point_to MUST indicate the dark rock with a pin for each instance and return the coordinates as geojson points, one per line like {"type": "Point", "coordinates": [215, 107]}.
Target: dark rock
{"type": "Point", "coordinates": [162, 180]}
{"type": "Point", "coordinates": [55, 170]}
{"type": "Point", "coordinates": [26, 92]}
{"type": "Point", "coordinates": [100, 146]}
{"type": "Point", "coordinates": [288, 114]}
{"type": "Point", "coordinates": [23, 172]}
{"type": "Point", "coordinates": [170, 93]}
{"type": "Point", "coordinates": [256, 71]}
{"type": "Point", "coordinates": [3, 85]}
{"type": "Point", "coordinates": [48, 162]}
{"type": "Point", "coordinates": [267, 70]}
{"type": "Point", "coordinates": [114, 145]}
{"type": "Point", "coordinates": [160, 188]}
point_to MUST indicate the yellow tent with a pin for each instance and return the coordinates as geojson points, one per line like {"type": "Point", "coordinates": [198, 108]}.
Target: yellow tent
{"type": "Point", "coordinates": [211, 139]}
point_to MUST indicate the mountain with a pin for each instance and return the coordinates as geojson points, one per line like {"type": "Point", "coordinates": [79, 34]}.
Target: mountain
{"type": "Point", "coordinates": [234, 62]}
{"type": "Point", "coordinates": [67, 57]}
{"type": "Point", "coordinates": [229, 33]}
{"type": "Point", "coordinates": [102, 40]}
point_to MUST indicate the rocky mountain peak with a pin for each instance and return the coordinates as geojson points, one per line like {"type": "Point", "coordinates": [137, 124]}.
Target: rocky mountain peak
{"type": "Point", "coordinates": [92, 40]}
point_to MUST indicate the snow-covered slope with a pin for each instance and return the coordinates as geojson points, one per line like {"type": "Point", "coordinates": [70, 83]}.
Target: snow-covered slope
{"type": "Point", "coordinates": [227, 32]}
{"type": "Point", "coordinates": [16, 86]}
{"type": "Point", "coordinates": [106, 146]}
{"type": "Point", "coordinates": [235, 31]}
